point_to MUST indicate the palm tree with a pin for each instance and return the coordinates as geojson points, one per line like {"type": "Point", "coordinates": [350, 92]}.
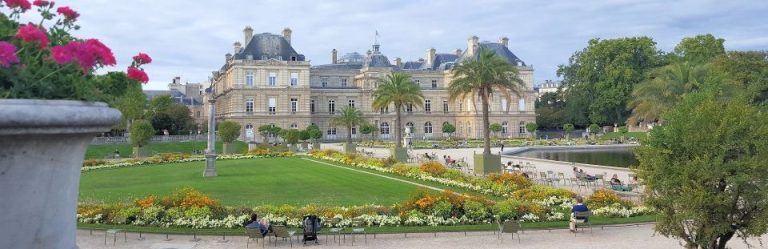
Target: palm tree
{"type": "Point", "coordinates": [487, 75]}
{"type": "Point", "coordinates": [348, 117]}
{"type": "Point", "coordinates": [398, 89]}
{"type": "Point", "coordinates": [664, 88]}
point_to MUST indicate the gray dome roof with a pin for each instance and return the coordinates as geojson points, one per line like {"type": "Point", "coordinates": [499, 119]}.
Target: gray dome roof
{"type": "Point", "coordinates": [352, 57]}
{"type": "Point", "coordinates": [499, 49]}
{"type": "Point", "coordinates": [269, 46]}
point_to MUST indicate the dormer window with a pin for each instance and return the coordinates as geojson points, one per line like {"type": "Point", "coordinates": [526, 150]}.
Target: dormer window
{"type": "Point", "coordinates": [249, 57]}
{"type": "Point", "coordinates": [263, 57]}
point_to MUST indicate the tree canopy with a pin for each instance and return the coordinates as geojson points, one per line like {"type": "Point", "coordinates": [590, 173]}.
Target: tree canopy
{"type": "Point", "coordinates": [489, 75]}
{"type": "Point", "coordinates": [141, 133]}
{"type": "Point", "coordinates": [229, 131]}
{"type": "Point", "coordinates": [348, 117]}
{"type": "Point", "coordinates": [705, 171]}
{"type": "Point", "coordinates": [599, 79]}
{"type": "Point", "coordinates": [397, 89]}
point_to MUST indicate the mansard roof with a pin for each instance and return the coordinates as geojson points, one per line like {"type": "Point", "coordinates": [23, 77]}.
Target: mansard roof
{"type": "Point", "coordinates": [271, 46]}
{"type": "Point", "coordinates": [499, 49]}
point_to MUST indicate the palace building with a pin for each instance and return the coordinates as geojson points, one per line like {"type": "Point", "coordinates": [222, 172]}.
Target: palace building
{"type": "Point", "coordinates": [266, 81]}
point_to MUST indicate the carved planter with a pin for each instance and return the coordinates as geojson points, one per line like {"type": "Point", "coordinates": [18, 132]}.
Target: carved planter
{"type": "Point", "coordinates": [42, 145]}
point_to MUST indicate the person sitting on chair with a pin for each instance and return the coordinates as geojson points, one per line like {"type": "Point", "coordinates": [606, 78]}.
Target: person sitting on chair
{"type": "Point", "coordinates": [426, 155]}
{"type": "Point", "coordinates": [617, 185]}
{"type": "Point", "coordinates": [579, 207]}
{"type": "Point", "coordinates": [255, 223]}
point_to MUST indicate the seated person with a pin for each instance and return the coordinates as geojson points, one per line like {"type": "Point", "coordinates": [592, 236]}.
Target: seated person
{"type": "Point", "coordinates": [579, 207]}
{"type": "Point", "coordinates": [256, 223]}
{"type": "Point", "coordinates": [526, 175]}
{"type": "Point", "coordinates": [426, 155]}
{"type": "Point", "coordinates": [586, 176]}
{"type": "Point", "coordinates": [616, 184]}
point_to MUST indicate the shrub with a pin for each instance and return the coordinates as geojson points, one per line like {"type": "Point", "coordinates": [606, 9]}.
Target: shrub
{"type": "Point", "coordinates": [442, 208]}
{"type": "Point", "coordinates": [146, 202]}
{"type": "Point", "coordinates": [453, 174]}
{"type": "Point", "coordinates": [126, 215]}
{"type": "Point", "coordinates": [539, 192]}
{"type": "Point", "coordinates": [433, 168]}
{"type": "Point", "coordinates": [401, 168]}
{"type": "Point", "coordinates": [187, 198]}
{"type": "Point", "coordinates": [197, 212]}
{"type": "Point", "coordinates": [93, 162]}
{"type": "Point", "coordinates": [475, 210]}
{"type": "Point", "coordinates": [517, 180]}
{"type": "Point", "coordinates": [603, 198]}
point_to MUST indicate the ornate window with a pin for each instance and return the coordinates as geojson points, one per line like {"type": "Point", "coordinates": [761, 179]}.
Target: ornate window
{"type": "Point", "coordinates": [272, 105]}
{"type": "Point", "coordinates": [384, 128]}
{"type": "Point", "coordinates": [249, 78]}
{"type": "Point", "coordinates": [249, 105]}
{"type": "Point", "coordinates": [428, 128]}
{"type": "Point", "coordinates": [428, 106]}
{"type": "Point", "coordinates": [294, 79]}
{"type": "Point", "coordinates": [521, 128]}
{"type": "Point", "coordinates": [294, 105]}
{"type": "Point", "coordinates": [504, 128]}
{"type": "Point", "coordinates": [272, 79]}
{"type": "Point", "coordinates": [332, 106]}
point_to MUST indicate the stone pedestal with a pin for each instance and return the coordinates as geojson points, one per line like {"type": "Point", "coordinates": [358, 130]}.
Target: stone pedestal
{"type": "Point", "coordinates": [210, 165]}
{"type": "Point", "coordinates": [486, 164]}
{"type": "Point", "coordinates": [400, 154]}
{"type": "Point", "coordinates": [42, 145]}
{"type": "Point", "coordinates": [350, 148]}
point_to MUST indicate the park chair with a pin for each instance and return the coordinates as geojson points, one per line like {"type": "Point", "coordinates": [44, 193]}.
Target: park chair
{"type": "Point", "coordinates": [509, 226]}
{"type": "Point", "coordinates": [544, 179]}
{"type": "Point", "coordinates": [561, 177]}
{"type": "Point", "coordinates": [254, 234]}
{"type": "Point", "coordinates": [334, 230]}
{"type": "Point", "coordinates": [583, 220]}
{"type": "Point", "coordinates": [281, 232]}
{"type": "Point", "coordinates": [358, 227]}
{"type": "Point", "coordinates": [552, 178]}
{"type": "Point", "coordinates": [581, 182]}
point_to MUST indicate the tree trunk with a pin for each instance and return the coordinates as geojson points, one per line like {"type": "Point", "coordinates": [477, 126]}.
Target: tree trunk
{"type": "Point", "coordinates": [398, 133]}
{"type": "Point", "coordinates": [723, 239]}
{"type": "Point", "coordinates": [349, 134]}
{"type": "Point", "coordinates": [486, 123]}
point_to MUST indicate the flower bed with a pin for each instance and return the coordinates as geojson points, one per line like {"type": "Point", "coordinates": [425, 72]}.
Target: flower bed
{"type": "Point", "coordinates": [168, 158]}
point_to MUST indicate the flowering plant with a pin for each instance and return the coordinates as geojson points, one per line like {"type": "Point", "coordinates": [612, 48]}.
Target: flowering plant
{"type": "Point", "coordinates": [39, 62]}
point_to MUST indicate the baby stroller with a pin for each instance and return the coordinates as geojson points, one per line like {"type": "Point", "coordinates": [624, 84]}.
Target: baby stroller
{"type": "Point", "coordinates": [312, 225]}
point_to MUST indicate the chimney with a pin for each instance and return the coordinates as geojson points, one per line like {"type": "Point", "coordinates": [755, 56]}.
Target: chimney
{"type": "Point", "coordinates": [287, 34]}
{"type": "Point", "coordinates": [457, 51]}
{"type": "Point", "coordinates": [228, 56]}
{"type": "Point", "coordinates": [504, 41]}
{"type": "Point", "coordinates": [472, 45]}
{"type": "Point", "coordinates": [398, 61]}
{"type": "Point", "coordinates": [248, 34]}
{"type": "Point", "coordinates": [237, 47]}
{"type": "Point", "coordinates": [334, 57]}
{"type": "Point", "coordinates": [430, 56]}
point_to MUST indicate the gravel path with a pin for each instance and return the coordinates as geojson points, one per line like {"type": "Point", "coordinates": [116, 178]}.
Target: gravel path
{"type": "Point", "coordinates": [639, 236]}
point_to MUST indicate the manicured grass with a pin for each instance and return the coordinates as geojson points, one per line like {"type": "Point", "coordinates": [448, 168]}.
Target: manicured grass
{"type": "Point", "coordinates": [248, 182]}
{"type": "Point", "coordinates": [108, 150]}
{"type": "Point", "coordinates": [597, 222]}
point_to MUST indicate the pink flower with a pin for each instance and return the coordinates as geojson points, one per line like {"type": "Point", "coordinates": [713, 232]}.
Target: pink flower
{"type": "Point", "coordinates": [22, 4]}
{"type": "Point", "coordinates": [87, 54]}
{"type": "Point", "coordinates": [40, 3]}
{"type": "Point", "coordinates": [142, 58]}
{"type": "Point", "coordinates": [138, 74]}
{"type": "Point", "coordinates": [7, 54]}
{"type": "Point", "coordinates": [31, 33]}
{"type": "Point", "coordinates": [69, 14]}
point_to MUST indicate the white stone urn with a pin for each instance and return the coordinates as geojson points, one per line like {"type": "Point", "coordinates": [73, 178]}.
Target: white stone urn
{"type": "Point", "coordinates": [42, 145]}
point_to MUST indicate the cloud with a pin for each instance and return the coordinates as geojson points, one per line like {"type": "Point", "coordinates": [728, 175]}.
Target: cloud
{"type": "Point", "coordinates": [189, 38]}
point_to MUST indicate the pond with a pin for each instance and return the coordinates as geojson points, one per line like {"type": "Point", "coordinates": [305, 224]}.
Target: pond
{"type": "Point", "coordinates": [616, 156]}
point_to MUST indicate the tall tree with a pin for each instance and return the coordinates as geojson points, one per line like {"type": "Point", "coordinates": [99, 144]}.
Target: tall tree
{"type": "Point", "coordinates": [132, 105]}
{"type": "Point", "coordinates": [489, 74]}
{"type": "Point", "coordinates": [700, 49]}
{"type": "Point", "coordinates": [705, 172]}
{"type": "Point", "coordinates": [399, 90]}
{"type": "Point", "coordinates": [664, 88]}
{"type": "Point", "coordinates": [228, 131]}
{"type": "Point", "coordinates": [348, 117]}
{"type": "Point", "coordinates": [141, 134]}
{"type": "Point", "coordinates": [599, 79]}
{"type": "Point", "coordinates": [749, 70]}
{"type": "Point", "coordinates": [550, 111]}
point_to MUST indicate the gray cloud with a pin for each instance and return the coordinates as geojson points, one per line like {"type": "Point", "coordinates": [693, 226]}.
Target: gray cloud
{"type": "Point", "coordinates": [189, 38]}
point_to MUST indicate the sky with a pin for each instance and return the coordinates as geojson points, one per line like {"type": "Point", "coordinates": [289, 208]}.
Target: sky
{"type": "Point", "coordinates": [190, 38]}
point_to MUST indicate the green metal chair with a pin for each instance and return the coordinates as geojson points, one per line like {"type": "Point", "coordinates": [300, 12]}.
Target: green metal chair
{"type": "Point", "coordinates": [254, 234]}
{"type": "Point", "coordinates": [582, 220]}
{"type": "Point", "coordinates": [281, 232]}
{"type": "Point", "coordinates": [509, 226]}
{"type": "Point", "coordinates": [358, 227]}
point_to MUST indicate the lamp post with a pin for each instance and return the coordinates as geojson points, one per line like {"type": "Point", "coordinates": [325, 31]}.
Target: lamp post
{"type": "Point", "coordinates": [210, 153]}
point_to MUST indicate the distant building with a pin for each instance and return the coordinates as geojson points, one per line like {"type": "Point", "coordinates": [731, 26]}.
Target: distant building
{"type": "Point", "coordinates": [266, 81]}
{"type": "Point", "coordinates": [187, 94]}
{"type": "Point", "coordinates": [548, 86]}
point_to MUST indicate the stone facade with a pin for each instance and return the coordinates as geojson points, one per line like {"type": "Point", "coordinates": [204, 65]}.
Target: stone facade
{"type": "Point", "coordinates": [267, 82]}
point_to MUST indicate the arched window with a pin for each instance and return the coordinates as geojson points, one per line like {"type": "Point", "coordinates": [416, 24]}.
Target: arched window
{"type": "Point", "coordinates": [249, 131]}
{"type": "Point", "coordinates": [409, 125]}
{"type": "Point", "coordinates": [521, 128]}
{"type": "Point", "coordinates": [504, 128]}
{"type": "Point", "coordinates": [428, 128]}
{"type": "Point", "coordinates": [384, 128]}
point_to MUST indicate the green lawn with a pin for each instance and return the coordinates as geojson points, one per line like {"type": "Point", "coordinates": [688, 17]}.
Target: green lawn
{"type": "Point", "coordinates": [108, 150]}
{"type": "Point", "coordinates": [617, 135]}
{"type": "Point", "coordinates": [248, 182]}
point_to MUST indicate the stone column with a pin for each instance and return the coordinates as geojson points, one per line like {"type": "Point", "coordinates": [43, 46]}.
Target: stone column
{"type": "Point", "coordinates": [210, 153]}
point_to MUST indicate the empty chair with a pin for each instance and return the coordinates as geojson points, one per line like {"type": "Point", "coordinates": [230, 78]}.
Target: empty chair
{"type": "Point", "coordinates": [281, 232]}
{"type": "Point", "coordinates": [544, 179]}
{"type": "Point", "coordinates": [335, 230]}
{"type": "Point", "coordinates": [358, 227]}
{"type": "Point", "coordinates": [254, 234]}
{"type": "Point", "coordinates": [509, 226]}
